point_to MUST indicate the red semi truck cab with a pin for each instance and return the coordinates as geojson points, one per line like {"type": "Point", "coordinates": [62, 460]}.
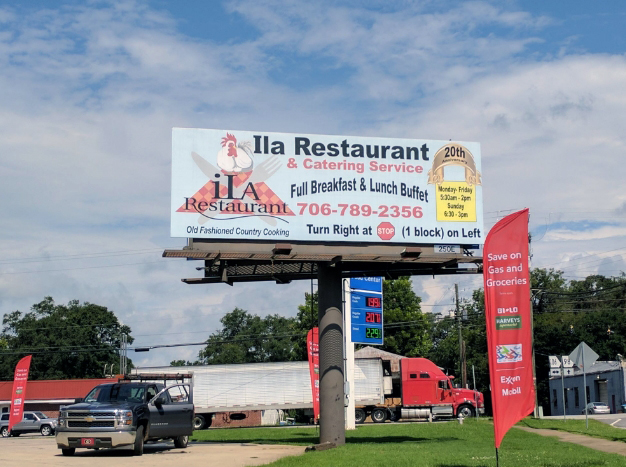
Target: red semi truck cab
{"type": "Point", "coordinates": [421, 391]}
{"type": "Point", "coordinates": [425, 386]}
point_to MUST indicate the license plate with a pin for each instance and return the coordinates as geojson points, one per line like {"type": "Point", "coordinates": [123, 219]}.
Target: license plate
{"type": "Point", "coordinates": [87, 441]}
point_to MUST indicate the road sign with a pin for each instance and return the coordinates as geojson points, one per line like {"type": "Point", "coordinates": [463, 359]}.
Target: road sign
{"type": "Point", "coordinates": [567, 362]}
{"type": "Point", "coordinates": [568, 371]}
{"type": "Point", "coordinates": [583, 356]}
{"type": "Point", "coordinates": [554, 362]}
{"type": "Point", "coordinates": [555, 372]}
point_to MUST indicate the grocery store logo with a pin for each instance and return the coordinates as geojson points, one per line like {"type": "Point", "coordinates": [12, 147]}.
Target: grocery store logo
{"type": "Point", "coordinates": [504, 323]}
{"type": "Point", "coordinates": [236, 187]}
{"type": "Point", "coordinates": [508, 353]}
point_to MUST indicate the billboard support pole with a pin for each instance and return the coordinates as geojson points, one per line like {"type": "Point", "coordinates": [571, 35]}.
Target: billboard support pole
{"type": "Point", "coordinates": [332, 413]}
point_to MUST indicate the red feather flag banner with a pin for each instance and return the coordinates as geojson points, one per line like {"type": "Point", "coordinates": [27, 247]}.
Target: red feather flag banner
{"type": "Point", "coordinates": [313, 346]}
{"type": "Point", "coordinates": [18, 395]}
{"type": "Point", "coordinates": [509, 327]}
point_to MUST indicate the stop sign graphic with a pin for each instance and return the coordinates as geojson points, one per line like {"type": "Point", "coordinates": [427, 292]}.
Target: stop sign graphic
{"type": "Point", "coordinates": [386, 230]}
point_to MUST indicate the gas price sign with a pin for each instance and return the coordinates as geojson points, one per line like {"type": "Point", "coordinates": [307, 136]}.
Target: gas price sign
{"type": "Point", "coordinates": [367, 316]}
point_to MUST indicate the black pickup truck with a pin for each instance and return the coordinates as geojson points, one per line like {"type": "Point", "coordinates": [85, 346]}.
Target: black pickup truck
{"type": "Point", "coordinates": [126, 414]}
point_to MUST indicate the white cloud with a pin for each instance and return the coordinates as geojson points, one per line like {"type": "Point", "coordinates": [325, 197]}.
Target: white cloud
{"type": "Point", "coordinates": [94, 93]}
{"type": "Point", "coordinates": [595, 234]}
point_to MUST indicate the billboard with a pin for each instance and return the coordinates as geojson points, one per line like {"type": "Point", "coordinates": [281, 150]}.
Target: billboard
{"type": "Point", "coordinates": [250, 185]}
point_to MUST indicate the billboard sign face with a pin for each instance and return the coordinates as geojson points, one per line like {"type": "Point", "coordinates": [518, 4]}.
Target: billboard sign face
{"type": "Point", "coordinates": [246, 185]}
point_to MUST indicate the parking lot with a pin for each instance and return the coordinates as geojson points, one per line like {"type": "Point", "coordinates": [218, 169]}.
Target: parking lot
{"type": "Point", "coordinates": [42, 451]}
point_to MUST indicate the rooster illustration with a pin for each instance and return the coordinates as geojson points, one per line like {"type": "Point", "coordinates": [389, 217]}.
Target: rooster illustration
{"type": "Point", "coordinates": [234, 157]}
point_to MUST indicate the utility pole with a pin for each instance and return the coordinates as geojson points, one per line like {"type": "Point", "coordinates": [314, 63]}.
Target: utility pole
{"type": "Point", "coordinates": [462, 363]}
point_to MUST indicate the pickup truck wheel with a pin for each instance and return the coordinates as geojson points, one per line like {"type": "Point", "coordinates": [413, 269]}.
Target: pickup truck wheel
{"type": "Point", "coordinates": [138, 446]}
{"type": "Point", "coordinates": [359, 416]}
{"type": "Point", "coordinates": [181, 441]}
{"type": "Point", "coordinates": [379, 415]}
{"type": "Point", "coordinates": [198, 422]}
{"type": "Point", "coordinates": [68, 451]}
{"type": "Point", "coordinates": [5, 432]}
{"type": "Point", "coordinates": [466, 411]}
{"type": "Point", "coordinates": [46, 430]}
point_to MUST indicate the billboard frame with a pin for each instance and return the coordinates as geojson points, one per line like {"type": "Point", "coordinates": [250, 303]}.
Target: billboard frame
{"type": "Point", "coordinates": [229, 262]}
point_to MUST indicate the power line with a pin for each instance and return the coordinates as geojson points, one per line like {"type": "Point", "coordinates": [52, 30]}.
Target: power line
{"type": "Point", "coordinates": [46, 259]}
{"type": "Point", "coordinates": [78, 269]}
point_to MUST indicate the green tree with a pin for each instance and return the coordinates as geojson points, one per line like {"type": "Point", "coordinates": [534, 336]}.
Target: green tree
{"type": "Point", "coordinates": [306, 319]}
{"type": "Point", "coordinates": [406, 328]}
{"type": "Point", "coordinates": [184, 363]}
{"type": "Point", "coordinates": [445, 337]}
{"type": "Point", "coordinates": [566, 314]}
{"type": "Point", "coordinates": [247, 338]}
{"type": "Point", "coordinates": [66, 341]}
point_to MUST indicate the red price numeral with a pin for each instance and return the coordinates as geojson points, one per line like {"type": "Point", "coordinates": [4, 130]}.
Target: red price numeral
{"type": "Point", "coordinates": [371, 317]}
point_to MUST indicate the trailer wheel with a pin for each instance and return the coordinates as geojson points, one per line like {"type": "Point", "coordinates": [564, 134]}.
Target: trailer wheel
{"type": "Point", "coordinates": [466, 411]}
{"type": "Point", "coordinates": [359, 416]}
{"type": "Point", "coordinates": [198, 422]}
{"type": "Point", "coordinates": [379, 415]}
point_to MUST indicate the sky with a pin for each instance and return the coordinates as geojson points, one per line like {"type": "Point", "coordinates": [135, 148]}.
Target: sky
{"type": "Point", "coordinates": [90, 92]}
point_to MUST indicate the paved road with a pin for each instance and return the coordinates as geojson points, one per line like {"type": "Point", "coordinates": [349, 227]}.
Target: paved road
{"type": "Point", "coordinates": [617, 420]}
{"type": "Point", "coordinates": [36, 450]}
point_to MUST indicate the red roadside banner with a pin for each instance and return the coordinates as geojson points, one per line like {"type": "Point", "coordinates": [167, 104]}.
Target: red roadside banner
{"type": "Point", "coordinates": [18, 395]}
{"type": "Point", "coordinates": [507, 311]}
{"type": "Point", "coordinates": [313, 347]}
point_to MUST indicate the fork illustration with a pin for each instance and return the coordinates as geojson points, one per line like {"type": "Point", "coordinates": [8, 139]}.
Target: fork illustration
{"type": "Point", "coordinates": [265, 170]}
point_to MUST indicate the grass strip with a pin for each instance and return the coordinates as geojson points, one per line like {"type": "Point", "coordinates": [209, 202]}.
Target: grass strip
{"type": "Point", "coordinates": [421, 444]}
{"type": "Point", "coordinates": [596, 429]}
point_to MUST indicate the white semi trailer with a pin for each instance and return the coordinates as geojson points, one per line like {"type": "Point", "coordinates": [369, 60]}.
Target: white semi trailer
{"type": "Point", "coordinates": [264, 386]}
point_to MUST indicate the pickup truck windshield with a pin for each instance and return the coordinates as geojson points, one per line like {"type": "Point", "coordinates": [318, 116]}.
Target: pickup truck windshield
{"type": "Point", "coordinates": [116, 393]}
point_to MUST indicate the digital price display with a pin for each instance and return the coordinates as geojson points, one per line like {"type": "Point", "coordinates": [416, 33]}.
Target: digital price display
{"type": "Point", "coordinates": [367, 318]}
{"type": "Point", "coordinates": [372, 317]}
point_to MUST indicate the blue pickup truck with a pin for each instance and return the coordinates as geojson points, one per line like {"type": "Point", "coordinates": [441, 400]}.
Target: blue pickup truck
{"type": "Point", "coordinates": [126, 414]}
